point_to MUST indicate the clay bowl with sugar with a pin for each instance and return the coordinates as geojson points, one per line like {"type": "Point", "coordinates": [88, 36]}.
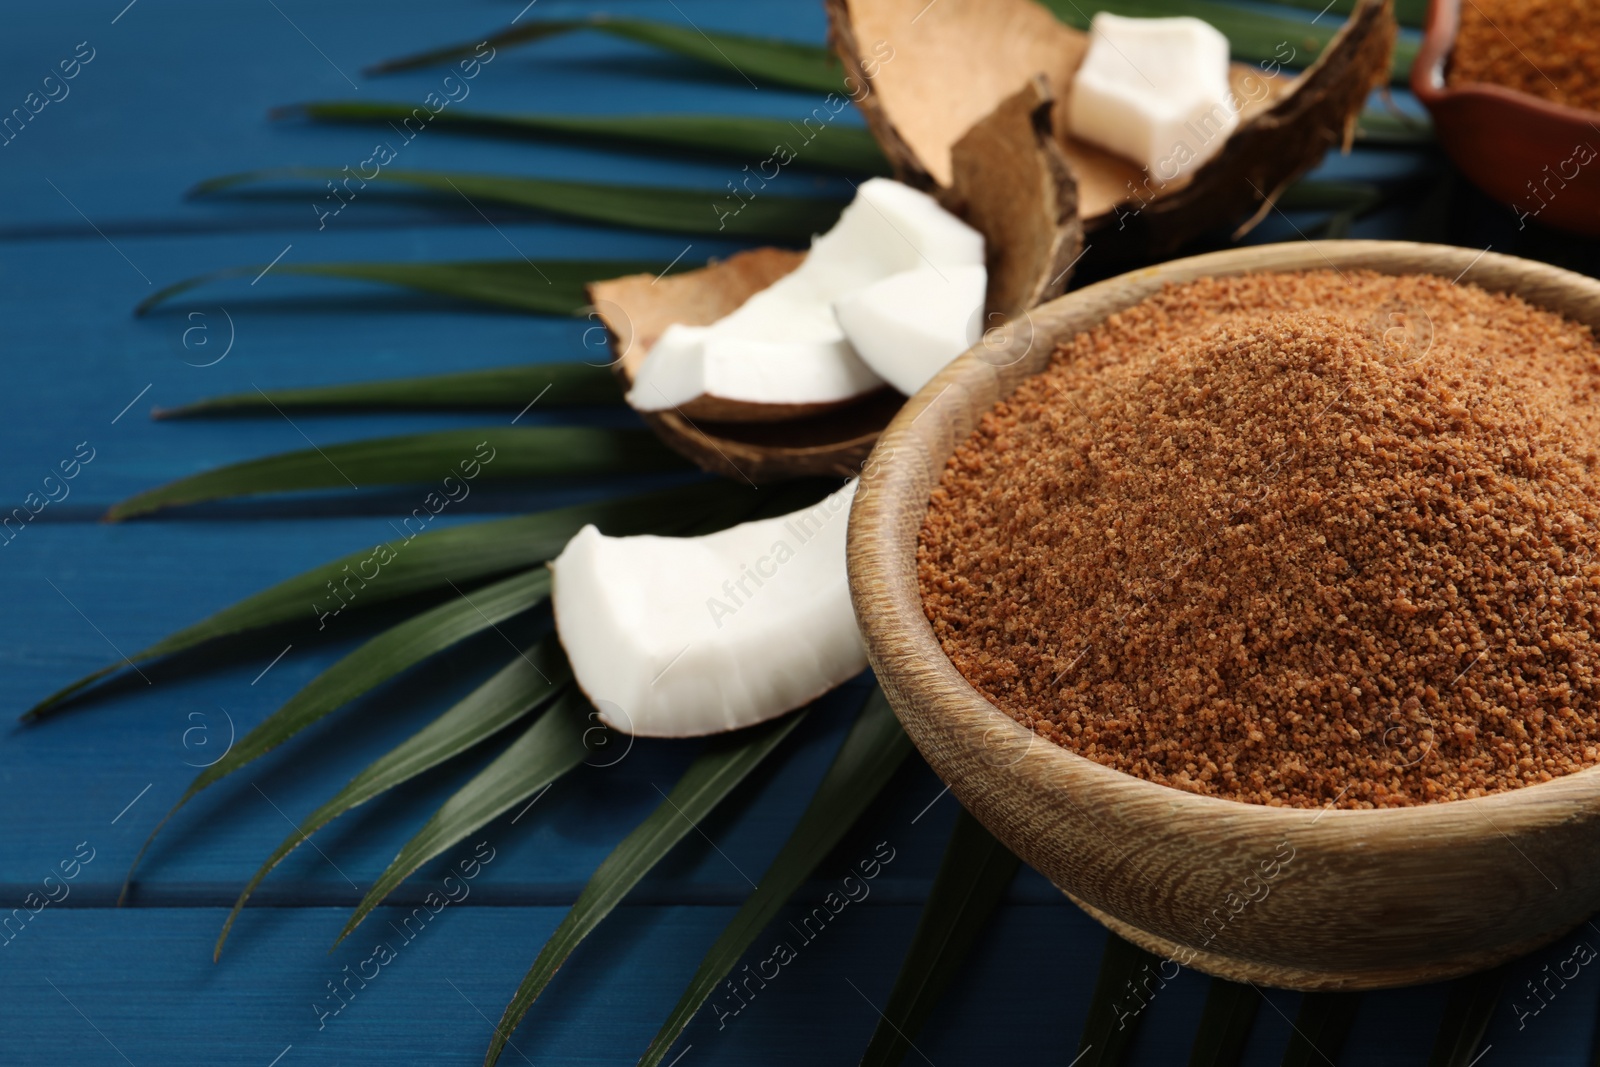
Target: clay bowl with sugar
{"type": "Point", "coordinates": [1356, 898]}
{"type": "Point", "coordinates": [1540, 158]}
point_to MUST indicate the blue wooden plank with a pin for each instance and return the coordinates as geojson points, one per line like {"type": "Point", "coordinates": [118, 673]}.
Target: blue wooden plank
{"type": "Point", "coordinates": [55, 179]}
{"type": "Point", "coordinates": [94, 589]}
{"type": "Point", "coordinates": [285, 331]}
{"type": "Point", "coordinates": [149, 99]}
{"type": "Point", "coordinates": [179, 91]}
{"type": "Point", "coordinates": [79, 290]}
{"type": "Point", "coordinates": [126, 586]}
{"type": "Point", "coordinates": [1020, 1000]}
{"type": "Point", "coordinates": [428, 1003]}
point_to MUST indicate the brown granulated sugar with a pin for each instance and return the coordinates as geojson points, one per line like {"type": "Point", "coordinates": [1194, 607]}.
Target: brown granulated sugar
{"type": "Point", "coordinates": [1547, 48]}
{"type": "Point", "coordinates": [1291, 539]}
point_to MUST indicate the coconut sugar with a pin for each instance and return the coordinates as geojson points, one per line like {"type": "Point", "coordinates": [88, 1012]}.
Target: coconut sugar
{"type": "Point", "coordinates": [1293, 539]}
{"type": "Point", "coordinates": [1548, 48]}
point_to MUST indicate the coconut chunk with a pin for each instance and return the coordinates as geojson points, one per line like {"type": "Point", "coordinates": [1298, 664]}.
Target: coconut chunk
{"type": "Point", "coordinates": [784, 346]}
{"type": "Point", "coordinates": [691, 364]}
{"type": "Point", "coordinates": [1154, 91]}
{"type": "Point", "coordinates": [956, 60]}
{"type": "Point", "coordinates": [637, 309]}
{"type": "Point", "coordinates": [682, 636]}
{"type": "Point", "coordinates": [909, 325]}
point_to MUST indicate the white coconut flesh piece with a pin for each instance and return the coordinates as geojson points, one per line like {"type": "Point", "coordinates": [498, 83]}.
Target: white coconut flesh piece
{"type": "Point", "coordinates": [784, 345]}
{"type": "Point", "coordinates": [909, 325]}
{"type": "Point", "coordinates": [1154, 91]}
{"type": "Point", "coordinates": [683, 636]}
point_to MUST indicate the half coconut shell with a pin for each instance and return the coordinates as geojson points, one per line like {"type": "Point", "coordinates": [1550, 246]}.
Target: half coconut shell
{"type": "Point", "coordinates": [637, 308]}
{"type": "Point", "coordinates": [1013, 186]}
{"type": "Point", "coordinates": [952, 62]}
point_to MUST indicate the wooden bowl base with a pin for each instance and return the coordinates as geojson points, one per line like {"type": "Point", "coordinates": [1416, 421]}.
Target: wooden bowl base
{"type": "Point", "coordinates": [1277, 976]}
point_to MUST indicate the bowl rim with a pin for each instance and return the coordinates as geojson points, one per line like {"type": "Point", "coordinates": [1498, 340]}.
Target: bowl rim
{"type": "Point", "coordinates": [932, 698]}
{"type": "Point", "coordinates": [1428, 83]}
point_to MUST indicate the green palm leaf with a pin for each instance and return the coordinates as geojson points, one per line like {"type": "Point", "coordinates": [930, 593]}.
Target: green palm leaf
{"type": "Point", "coordinates": [1320, 1028]}
{"type": "Point", "coordinates": [1128, 978]}
{"type": "Point", "coordinates": [499, 388]}
{"type": "Point", "coordinates": [1253, 36]}
{"type": "Point", "coordinates": [517, 689]}
{"type": "Point", "coordinates": [434, 559]}
{"type": "Point", "coordinates": [1406, 12]}
{"type": "Point", "coordinates": [1467, 1012]}
{"type": "Point", "coordinates": [1330, 196]}
{"type": "Point", "coordinates": [715, 212]}
{"type": "Point", "coordinates": [714, 774]}
{"type": "Point", "coordinates": [541, 286]}
{"type": "Point", "coordinates": [556, 287]}
{"type": "Point", "coordinates": [871, 752]}
{"type": "Point", "coordinates": [972, 879]}
{"type": "Point", "coordinates": [374, 662]}
{"type": "Point", "coordinates": [515, 452]}
{"type": "Point", "coordinates": [798, 66]}
{"type": "Point", "coordinates": [1225, 1023]}
{"type": "Point", "coordinates": [551, 747]}
{"type": "Point", "coordinates": [1384, 128]}
{"type": "Point", "coordinates": [837, 147]}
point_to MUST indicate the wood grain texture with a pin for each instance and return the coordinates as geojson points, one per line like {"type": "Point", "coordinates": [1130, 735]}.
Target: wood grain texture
{"type": "Point", "coordinates": [1369, 898]}
{"type": "Point", "coordinates": [426, 1007]}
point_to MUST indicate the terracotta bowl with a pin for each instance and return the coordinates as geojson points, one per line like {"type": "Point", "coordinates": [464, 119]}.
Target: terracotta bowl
{"type": "Point", "coordinates": [1540, 159]}
{"type": "Point", "coordinates": [1296, 898]}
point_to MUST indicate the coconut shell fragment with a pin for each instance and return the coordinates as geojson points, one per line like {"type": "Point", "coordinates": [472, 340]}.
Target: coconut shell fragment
{"type": "Point", "coordinates": [639, 307]}
{"type": "Point", "coordinates": [955, 61]}
{"type": "Point", "coordinates": [967, 98]}
{"type": "Point", "coordinates": [1273, 147]}
{"type": "Point", "coordinates": [793, 444]}
{"type": "Point", "coordinates": [1011, 183]}
{"type": "Point", "coordinates": [1010, 180]}
{"type": "Point", "coordinates": [950, 64]}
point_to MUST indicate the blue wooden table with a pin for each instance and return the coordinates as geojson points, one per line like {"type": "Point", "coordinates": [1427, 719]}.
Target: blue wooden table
{"type": "Point", "coordinates": [94, 220]}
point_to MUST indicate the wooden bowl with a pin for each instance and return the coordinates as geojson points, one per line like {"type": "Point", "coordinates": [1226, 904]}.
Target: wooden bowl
{"type": "Point", "coordinates": [1536, 157]}
{"type": "Point", "coordinates": [1296, 898]}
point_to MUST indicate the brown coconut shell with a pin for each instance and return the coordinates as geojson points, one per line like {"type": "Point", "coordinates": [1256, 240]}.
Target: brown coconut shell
{"type": "Point", "coordinates": [968, 100]}
{"type": "Point", "coordinates": [1011, 181]}
{"type": "Point", "coordinates": [636, 309]}
{"type": "Point", "coordinates": [1013, 185]}
{"type": "Point", "coordinates": [932, 70]}
{"type": "Point", "coordinates": [1277, 144]}
{"type": "Point", "coordinates": [642, 306]}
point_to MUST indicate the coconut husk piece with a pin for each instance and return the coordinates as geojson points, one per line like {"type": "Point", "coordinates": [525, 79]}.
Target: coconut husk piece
{"type": "Point", "coordinates": [636, 309]}
{"type": "Point", "coordinates": [931, 71]}
{"type": "Point", "coordinates": [950, 62]}
{"type": "Point", "coordinates": [1011, 184]}
{"type": "Point", "coordinates": [1010, 180]}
